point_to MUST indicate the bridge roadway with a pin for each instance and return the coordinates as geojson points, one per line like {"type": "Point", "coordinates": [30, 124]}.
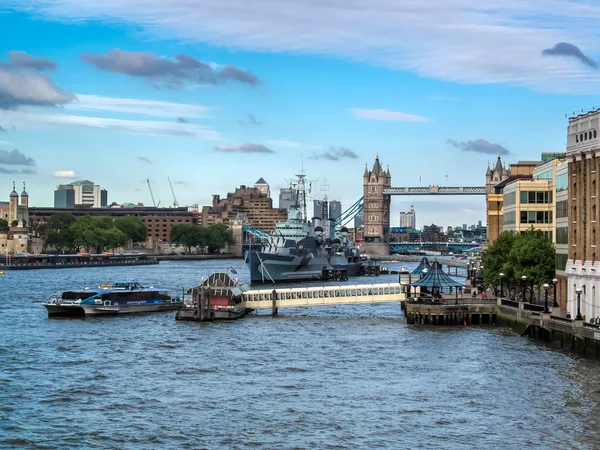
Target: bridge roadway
{"type": "Point", "coordinates": [324, 295]}
{"type": "Point", "coordinates": [436, 190]}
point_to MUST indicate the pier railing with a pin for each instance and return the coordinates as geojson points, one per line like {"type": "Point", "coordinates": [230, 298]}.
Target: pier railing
{"type": "Point", "coordinates": [451, 301]}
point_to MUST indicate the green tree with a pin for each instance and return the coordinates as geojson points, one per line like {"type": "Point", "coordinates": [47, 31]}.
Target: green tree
{"type": "Point", "coordinates": [188, 236]}
{"type": "Point", "coordinates": [113, 238]}
{"type": "Point", "coordinates": [530, 254]}
{"type": "Point", "coordinates": [218, 237]}
{"type": "Point", "coordinates": [58, 234]}
{"type": "Point", "coordinates": [533, 255]}
{"type": "Point", "coordinates": [133, 228]}
{"type": "Point", "coordinates": [3, 224]}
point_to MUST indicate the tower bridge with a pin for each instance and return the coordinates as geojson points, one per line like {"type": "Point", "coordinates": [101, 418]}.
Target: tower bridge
{"type": "Point", "coordinates": [377, 193]}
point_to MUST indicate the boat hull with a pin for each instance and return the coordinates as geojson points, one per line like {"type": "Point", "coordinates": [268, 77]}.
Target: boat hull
{"type": "Point", "coordinates": [80, 310]}
{"type": "Point", "coordinates": [272, 267]}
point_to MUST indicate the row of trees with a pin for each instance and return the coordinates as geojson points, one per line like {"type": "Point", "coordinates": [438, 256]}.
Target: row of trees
{"type": "Point", "coordinates": [214, 237]}
{"type": "Point", "coordinates": [515, 254]}
{"type": "Point", "coordinates": [64, 232]}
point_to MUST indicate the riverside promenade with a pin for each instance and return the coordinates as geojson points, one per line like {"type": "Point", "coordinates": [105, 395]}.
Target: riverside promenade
{"type": "Point", "coordinates": [528, 319]}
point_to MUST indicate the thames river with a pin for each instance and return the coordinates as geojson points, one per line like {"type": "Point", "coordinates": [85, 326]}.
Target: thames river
{"type": "Point", "coordinates": [339, 377]}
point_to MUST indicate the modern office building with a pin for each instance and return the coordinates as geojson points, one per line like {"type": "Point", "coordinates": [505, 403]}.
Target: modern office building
{"type": "Point", "coordinates": [408, 219]}
{"type": "Point", "coordinates": [530, 202]}
{"type": "Point", "coordinates": [80, 193]}
{"type": "Point", "coordinates": [583, 265]}
{"type": "Point", "coordinates": [286, 198]}
{"type": "Point", "coordinates": [561, 194]}
{"type": "Point", "coordinates": [335, 209]}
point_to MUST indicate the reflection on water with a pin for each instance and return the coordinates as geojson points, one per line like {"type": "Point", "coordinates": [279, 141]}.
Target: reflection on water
{"type": "Point", "coordinates": [351, 377]}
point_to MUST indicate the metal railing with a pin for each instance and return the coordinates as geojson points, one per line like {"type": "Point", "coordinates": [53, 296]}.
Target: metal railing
{"type": "Point", "coordinates": [451, 301]}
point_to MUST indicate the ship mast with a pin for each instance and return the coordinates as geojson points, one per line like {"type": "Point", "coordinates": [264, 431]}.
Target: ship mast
{"type": "Point", "coordinates": [301, 195]}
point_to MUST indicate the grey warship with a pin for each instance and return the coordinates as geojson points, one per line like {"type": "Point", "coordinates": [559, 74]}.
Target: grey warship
{"type": "Point", "coordinates": [301, 251]}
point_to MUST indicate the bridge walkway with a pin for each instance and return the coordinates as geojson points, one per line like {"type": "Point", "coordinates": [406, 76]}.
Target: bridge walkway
{"type": "Point", "coordinates": [324, 295]}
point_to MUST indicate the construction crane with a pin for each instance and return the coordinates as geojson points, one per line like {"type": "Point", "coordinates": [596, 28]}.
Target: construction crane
{"type": "Point", "coordinates": [151, 194]}
{"type": "Point", "coordinates": [175, 204]}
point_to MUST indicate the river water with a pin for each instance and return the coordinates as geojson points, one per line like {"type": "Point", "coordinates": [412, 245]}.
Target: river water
{"type": "Point", "coordinates": [339, 377]}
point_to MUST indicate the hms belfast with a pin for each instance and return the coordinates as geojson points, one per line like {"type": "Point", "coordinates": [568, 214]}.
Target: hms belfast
{"type": "Point", "coordinates": [298, 250]}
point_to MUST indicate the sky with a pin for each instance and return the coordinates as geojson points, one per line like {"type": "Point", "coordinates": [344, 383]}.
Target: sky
{"type": "Point", "coordinates": [214, 95]}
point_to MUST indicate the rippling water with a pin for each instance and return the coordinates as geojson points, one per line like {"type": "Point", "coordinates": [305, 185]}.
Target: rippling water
{"type": "Point", "coordinates": [343, 377]}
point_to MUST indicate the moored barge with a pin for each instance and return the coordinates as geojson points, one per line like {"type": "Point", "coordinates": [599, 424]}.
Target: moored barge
{"type": "Point", "coordinates": [28, 261]}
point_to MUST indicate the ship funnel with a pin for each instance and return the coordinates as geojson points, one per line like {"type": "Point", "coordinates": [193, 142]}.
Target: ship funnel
{"type": "Point", "coordinates": [316, 222]}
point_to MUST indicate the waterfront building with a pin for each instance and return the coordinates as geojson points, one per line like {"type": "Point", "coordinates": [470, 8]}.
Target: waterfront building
{"type": "Point", "coordinates": [408, 219]}
{"type": "Point", "coordinates": [433, 233]}
{"type": "Point", "coordinates": [158, 221]}
{"type": "Point", "coordinates": [561, 192]}
{"type": "Point", "coordinates": [80, 193]}
{"type": "Point", "coordinates": [531, 202]}
{"type": "Point", "coordinates": [15, 238]}
{"type": "Point", "coordinates": [376, 205]}
{"type": "Point", "coordinates": [495, 180]}
{"type": "Point", "coordinates": [249, 200]}
{"type": "Point", "coordinates": [583, 267]}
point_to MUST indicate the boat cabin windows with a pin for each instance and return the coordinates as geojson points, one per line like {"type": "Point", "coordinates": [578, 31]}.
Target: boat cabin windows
{"type": "Point", "coordinates": [137, 296]}
{"type": "Point", "coordinates": [78, 295]}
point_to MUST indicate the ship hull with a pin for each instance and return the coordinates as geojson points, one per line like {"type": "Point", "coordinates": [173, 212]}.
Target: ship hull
{"type": "Point", "coordinates": [274, 268]}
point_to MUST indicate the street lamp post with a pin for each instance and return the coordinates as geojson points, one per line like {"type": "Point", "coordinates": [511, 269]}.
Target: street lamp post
{"type": "Point", "coordinates": [554, 281]}
{"type": "Point", "coordinates": [501, 289]}
{"type": "Point", "coordinates": [523, 292]}
{"type": "Point", "coordinates": [578, 291]}
{"type": "Point", "coordinates": [546, 287]}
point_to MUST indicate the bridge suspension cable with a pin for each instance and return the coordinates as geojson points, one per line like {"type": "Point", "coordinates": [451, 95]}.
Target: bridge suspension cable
{"type": "Point", "coordinates": [350, 213]}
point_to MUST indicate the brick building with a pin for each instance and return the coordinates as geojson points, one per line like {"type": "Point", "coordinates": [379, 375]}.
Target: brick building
{"type": "Point", "coordinates": [249, 201]}
{"type": "Point", "coordinates": [158, 221]}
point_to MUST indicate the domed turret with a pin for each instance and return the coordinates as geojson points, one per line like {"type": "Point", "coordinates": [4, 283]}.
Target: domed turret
{"type": "Point", "coordinates": [14, 191]}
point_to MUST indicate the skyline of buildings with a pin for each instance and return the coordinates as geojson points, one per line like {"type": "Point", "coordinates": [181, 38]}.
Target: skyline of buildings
{"type": "Point", "coordinates": [81, 193]}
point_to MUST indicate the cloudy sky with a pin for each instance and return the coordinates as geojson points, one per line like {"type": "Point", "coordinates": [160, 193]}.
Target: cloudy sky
{"type": "Point", "coordinates": [217, 94]}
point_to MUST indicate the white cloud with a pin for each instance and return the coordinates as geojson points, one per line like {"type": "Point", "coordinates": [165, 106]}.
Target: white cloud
{"type": "Point", "coordinates": [385, 114]}
{"type": "Point", "coordinates": [5, 143]}
{"type": "Point", "coordinates": [133, 126]}
{"type": "Point", "coordinates": [136, 106]}
{"type": "Point", "coordinates": [496, 41]}
{"type": "Point", "coordinates": [64, 174]}
{"type": "Point", "coordinates": [291, 144]}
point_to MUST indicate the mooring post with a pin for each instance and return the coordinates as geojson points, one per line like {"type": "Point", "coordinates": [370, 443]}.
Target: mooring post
{"type": "Point", "coordinates": [274, 303]}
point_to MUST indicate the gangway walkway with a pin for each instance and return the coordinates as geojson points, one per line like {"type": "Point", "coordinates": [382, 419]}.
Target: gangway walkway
{"type": "Point", "coordinates": [324, 295]}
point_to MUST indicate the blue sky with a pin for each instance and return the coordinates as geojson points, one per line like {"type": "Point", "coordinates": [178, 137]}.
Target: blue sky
{"type": "Point", "coordinates": [435, 89]}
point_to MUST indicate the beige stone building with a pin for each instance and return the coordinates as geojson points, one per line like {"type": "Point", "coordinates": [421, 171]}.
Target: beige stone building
{"type": "Point", "coordinates": [496, 181]}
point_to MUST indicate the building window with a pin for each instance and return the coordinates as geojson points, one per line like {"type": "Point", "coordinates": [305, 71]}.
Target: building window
{"type": "Point", "coordinates": [594, 212]}
{"type": "Point", "coordinates": [594, 134]}
{"type": "Point", "coordinates": [594, 236]}
{"type": "Point", "coordinates": [562, 235]}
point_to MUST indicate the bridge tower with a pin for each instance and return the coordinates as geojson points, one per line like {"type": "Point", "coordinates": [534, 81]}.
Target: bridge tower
{"type": "Point", "coordinates": [494, 204]}
{"type": "Point", "coordinates": [376, 207]}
